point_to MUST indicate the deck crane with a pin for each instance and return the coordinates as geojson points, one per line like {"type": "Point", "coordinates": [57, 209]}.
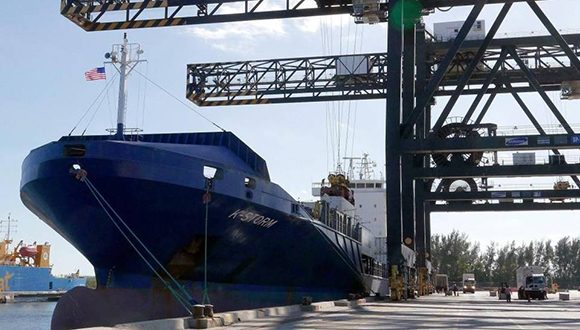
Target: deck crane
{"type": "Point", "coordinates": [409, 80]}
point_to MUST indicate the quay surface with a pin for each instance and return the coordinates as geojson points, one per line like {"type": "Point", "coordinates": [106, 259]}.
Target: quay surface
{"type": "Point", "coordinates": [466, 311]}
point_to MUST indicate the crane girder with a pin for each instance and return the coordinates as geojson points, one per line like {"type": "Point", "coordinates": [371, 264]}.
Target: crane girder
{"type": "Point", "coordinates": [105, 15]}
{"type": "Point", "coordinates": [288, 80]}
{"type": "Point", "coordinates": [363, 76]}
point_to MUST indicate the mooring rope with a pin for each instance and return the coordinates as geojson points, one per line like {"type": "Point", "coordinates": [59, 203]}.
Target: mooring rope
{"type": "Point", "coordinates": [183, 297]}
{"type": "Point", "coordinates": [206, 200]}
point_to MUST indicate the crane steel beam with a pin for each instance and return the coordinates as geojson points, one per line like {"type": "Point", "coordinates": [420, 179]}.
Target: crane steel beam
{"type": "Point", "coordinates": [544, 58]}
{"type": "Point", "coordinates": [496, 171]}
{"type": "Point", "coordinates": [439, 48]}
{"type": "Point", "coordinates": [105, 15]}
{"type": "Point", "coordinates": [537, 86]}
{"type": "Point", "coordinates": [324, 78]}
{"type": "Point", "coordinates": [554, 32]}
{"type": "Point", "coordinates": [422, 234]}
{"type": "Point", "coordinates": [485, 108]}
{"type": "Point", "coordinates": [503, 195]}
{"type": "Point", "coordinates": [425, 96]}
{"type": "Point", "coordinates": [360, 77]}
{"type": "Point", "coordinates": [483, 90]}
{"type": "Point", "coordinates": [393, 180]}
{"type": "Point", "coordinates": [528, 206]}
{"type": "Point", "coordinates": [471, 66]}
{"type": "Point", "coordinates": [492, 143]}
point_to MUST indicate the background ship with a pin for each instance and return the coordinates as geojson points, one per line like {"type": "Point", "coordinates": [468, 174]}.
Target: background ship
{"type": "Point", "coordinates": [169, 220]}
{"type": "Point", "coordinates": [26, 268]}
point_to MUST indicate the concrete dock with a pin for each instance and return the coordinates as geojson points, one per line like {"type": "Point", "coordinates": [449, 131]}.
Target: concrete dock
{"type": "Point", "coordinates": [474, 311]}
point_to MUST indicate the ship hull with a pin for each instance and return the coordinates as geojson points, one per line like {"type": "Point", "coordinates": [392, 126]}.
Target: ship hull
{"type": "Point", "coordinates": [259, 253]}
{"type": "Point", "coordinates": [83, 307]}
{"type": "Point", "coordinates": [34, 279]}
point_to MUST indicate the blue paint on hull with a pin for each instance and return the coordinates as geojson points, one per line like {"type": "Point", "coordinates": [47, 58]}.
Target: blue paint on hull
{"type": "Point", "coordinates": [157, 189]}
{"type": "Point", "coordinates": [20, 279]}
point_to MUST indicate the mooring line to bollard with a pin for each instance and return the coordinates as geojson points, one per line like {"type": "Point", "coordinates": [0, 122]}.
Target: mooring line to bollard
{"type": "Point", "coordinates": [183, 298]}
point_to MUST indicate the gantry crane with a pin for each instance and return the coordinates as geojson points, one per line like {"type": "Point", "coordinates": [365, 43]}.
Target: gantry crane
{"type": "Point", "coordinates": [415, 69]}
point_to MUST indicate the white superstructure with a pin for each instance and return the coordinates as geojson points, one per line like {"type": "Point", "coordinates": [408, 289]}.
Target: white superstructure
{"type": "Point", "coordinates": [370, 204]}
{"type": "Point", "coordinates": [369, 209]}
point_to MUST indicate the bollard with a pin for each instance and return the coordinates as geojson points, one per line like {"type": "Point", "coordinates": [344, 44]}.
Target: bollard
{"type": "Point", "coordinates": [198, 311]}
{"type": "Point", "coordinates": [208, 310]}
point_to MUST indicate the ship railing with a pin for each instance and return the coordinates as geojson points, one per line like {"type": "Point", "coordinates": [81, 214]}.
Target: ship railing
{"type": "Point", "coordinates": [372, 267]}
{"type": "Point", "coordinates": [340, 222]}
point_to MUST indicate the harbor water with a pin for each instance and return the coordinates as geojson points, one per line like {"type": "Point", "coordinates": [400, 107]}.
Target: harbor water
{"type": "Point", "coordinates": [30, 315]}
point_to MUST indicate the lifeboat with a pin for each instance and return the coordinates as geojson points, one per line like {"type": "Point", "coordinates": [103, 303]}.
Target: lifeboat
{"type": "Point", "coordinates": [28, 251]}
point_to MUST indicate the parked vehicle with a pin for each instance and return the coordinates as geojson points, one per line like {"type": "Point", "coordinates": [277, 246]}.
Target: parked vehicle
{"type": "Point", "coordinates": [469, 283]}
{"type": "Point", "coordinates": [441, 283]}
{"type": "Point", "coordinates": [531, 283]}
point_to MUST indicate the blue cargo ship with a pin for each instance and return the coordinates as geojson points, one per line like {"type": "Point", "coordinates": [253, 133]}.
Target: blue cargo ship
{"type": "Point", "coordinates": [170, 220]}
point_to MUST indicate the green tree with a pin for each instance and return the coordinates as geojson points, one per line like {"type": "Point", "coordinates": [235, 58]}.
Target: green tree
{"type": "Point", "coordinates": [562, 259]}
{"type": "Point", "coordinates": [506, 264]}
{"type": "Point", "coordinates": [529, 255]}
{"type": "Point", "coordinates": [454, 255]}
{"type": "Point", "coordinates": [574, 263]}
{"type": "Point", "coordinates": [488, 260]}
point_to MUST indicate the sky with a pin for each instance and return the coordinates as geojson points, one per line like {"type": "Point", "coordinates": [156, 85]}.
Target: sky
{"type": "Point", "coordinates": [43, 96]}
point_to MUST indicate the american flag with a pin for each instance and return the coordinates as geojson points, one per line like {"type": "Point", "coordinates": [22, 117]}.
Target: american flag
{"type": "Point", "coordinates": [95, 74]}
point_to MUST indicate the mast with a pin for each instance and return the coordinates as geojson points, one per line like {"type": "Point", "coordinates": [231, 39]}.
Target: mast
{"type": "Point", "coordinates": [364, 165]}
{"type": "Point", "coordinates": [124, 58]}
{"type": "Point", "coordinates": [9, 222]}
{"type": "Point", "coordinates": [122, 103]}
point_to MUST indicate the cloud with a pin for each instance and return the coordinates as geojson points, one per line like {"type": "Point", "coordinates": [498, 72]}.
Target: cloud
{"type": "Point", "coordinates": [315, 24]}
{"type": "Point", "coordinates": [307, 25]}
{"type": "Point", "coordinates": [239, 36]}
{"type": "Point", "coordinates": [245, 30]}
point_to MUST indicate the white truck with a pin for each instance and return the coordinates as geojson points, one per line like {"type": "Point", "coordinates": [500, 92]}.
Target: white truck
{"type": "Point", "coordinates": [531, 283]}
{"type": "Point", "coordinates": [468, 283]}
